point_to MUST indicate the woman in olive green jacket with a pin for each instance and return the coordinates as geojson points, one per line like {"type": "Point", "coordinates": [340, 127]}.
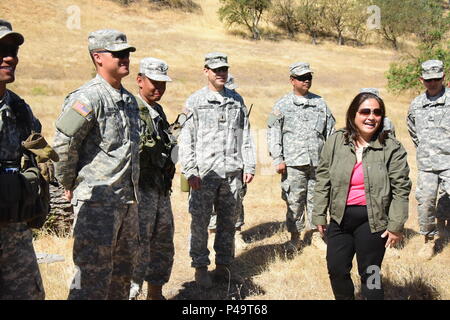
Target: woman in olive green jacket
{"type": "Point", "coordinates": [362, 179]}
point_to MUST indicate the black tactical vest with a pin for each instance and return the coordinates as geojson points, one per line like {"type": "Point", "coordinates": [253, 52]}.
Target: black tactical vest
{"type": "Point", "coordinates": [156, 166]}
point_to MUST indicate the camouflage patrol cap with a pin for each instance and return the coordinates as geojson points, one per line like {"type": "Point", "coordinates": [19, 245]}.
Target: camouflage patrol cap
{"type": "Point", "coordinates": [154, 69]}
{"type": "Point", "coordinates": [108, 39]}
{"type": "Point", "coordinates": [374, 91]}
{"type": "Point", "coordinates": [299, 68]}
{"type": "Point", "coordinates": [7, 33]}
{"type": "Point", "coordinates": [214, 60]}
{"type": "Point", "coordinates": [230, 83]}
{"type": "Point", "coordinates": [432, 69]}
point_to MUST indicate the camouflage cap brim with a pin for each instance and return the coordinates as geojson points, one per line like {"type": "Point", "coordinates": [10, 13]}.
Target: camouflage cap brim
{"type": "Point", "coordinates": [432, 75]}
{"type": "Point", "coordinates": [301, 72]}
{"type": "Point", "coordinates": [11, 36]}
{"type": "Point", "coordinates": [218, 64]}
{"type": "Point", "coordinates": [120, 47]}
{"type": "Point", "coordinates": [158, 77]}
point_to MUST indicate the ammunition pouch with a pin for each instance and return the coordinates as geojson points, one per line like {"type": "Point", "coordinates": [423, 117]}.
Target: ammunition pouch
{"type": "Point", "coordinates": [24, 197]}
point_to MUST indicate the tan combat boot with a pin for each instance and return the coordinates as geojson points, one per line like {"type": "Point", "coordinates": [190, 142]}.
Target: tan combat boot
{"type": "Point", "coordinates": [155, 292]}
{"type": "Point", "coordinates": [427, 250]}
{"type": "Point", "coordinates": [202, 277]}
{"type": "Point", "coordinates": [317, 241]}
{"type": "Point", "coordinates": [239, 242]}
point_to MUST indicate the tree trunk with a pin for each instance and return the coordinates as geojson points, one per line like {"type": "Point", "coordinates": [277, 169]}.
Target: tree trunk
{"type": "Point", "coordinates": [256, 33]}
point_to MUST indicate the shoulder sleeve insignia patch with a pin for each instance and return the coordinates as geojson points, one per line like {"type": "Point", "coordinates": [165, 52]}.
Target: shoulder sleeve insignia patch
{"type": "Point", "coordinates": [82, 109]}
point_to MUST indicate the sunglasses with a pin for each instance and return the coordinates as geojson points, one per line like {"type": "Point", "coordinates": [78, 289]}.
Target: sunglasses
{"type": "Point", "coordinates": [304, 77]}
{"type": "Point", "coordinates": [221, 69]}
{"type": "Point", "coordinates": [367, 112]}
{"type": "Point", "coordinates": [9, 51]}
{"type": "Point", "coordinates": [117, 54]}
{"type": "Point", "coordinates": [430, 80]}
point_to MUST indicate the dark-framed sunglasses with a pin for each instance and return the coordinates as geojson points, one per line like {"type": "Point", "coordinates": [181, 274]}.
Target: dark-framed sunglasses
{"type": "Point", "coordinates": [434, 79]}
{"type": "Point", "coordinates": [221, 69]}
{"type": "Point", "coordinates": [304, 77]}
{"type": "Point", "coordinates": [368, 111]}
{"type": "Point", "coordinates": [8, 51]}
{"type": "Point", "coordinates": [117, 54]}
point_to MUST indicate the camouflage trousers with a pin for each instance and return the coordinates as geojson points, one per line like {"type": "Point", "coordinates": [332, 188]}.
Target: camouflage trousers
{"type": "Point", "coordinates": [224, 194]}
{"type": "Point", "coordinates": [432, 185]}
{"type": "Point", "coordinates": [239, 212]}
{"type": "Point", "coordinates": [156, 230]}
{"type": "Point", "coordinates": [20, 278]}
{"type": "Point", "coordinates": [297, 189]}
{"type": "Point", "coordinates": [104, 251]}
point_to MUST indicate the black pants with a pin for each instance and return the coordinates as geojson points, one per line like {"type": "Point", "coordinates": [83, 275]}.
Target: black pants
{"type": "Point", "coordinates": [352, 236]}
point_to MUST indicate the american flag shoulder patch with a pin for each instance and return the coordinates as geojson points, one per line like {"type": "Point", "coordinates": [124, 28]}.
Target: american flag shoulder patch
{"type": "Point", "coordinates": [81, 109]}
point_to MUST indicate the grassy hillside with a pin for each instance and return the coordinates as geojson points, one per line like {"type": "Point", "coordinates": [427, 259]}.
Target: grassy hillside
{"type": "Point", "coordinates": [55, 61]}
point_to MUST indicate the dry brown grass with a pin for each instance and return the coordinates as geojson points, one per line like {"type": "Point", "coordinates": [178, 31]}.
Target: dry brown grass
{"type": "Point", "coordinates": [54, 61]}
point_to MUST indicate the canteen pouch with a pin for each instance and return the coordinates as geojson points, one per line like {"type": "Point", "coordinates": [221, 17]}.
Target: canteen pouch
{"type": "Point", "coordinates": [184, 184]}
{"type": "Point", "coordinates": [10, 197]}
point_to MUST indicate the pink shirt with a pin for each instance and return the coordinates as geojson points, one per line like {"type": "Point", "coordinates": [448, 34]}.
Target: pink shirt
{"type": "Point", "coordinates": [356, 194]}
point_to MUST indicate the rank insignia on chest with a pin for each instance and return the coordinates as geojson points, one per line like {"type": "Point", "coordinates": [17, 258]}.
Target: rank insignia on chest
{"type": "Point", "coordinates": [222, 118]}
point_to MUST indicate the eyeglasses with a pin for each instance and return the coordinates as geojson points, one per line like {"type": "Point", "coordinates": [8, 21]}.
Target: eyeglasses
{"type": "Point", "coordinates": [117, 54]}
{"type": "Point", "coordinates": [367, 112]}
{"type": "Point", "coordinates": [304, 77]}
{"type": "Point", "coordinates": [430, 80]}
{"type": "Point", "coordinates": [9, 51]}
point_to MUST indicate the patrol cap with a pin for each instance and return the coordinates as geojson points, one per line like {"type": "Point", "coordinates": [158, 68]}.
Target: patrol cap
{"type": "Point", "coordinates": [374, 91]}
{"type": "Point", "coordinates": [432, 69]}
{"type": "Point", "coordinates": [299, 68]}
{"type": "Point", "coordinates": [108, 39]}
{"type": "Point", "coordinates": [6, 32]}
{"type": "Point", "coordinates": [154, 69]}
{"type": "Point", "coordinates": [230, 82]}
{"type": "Point", "coordinates": [214, 60]}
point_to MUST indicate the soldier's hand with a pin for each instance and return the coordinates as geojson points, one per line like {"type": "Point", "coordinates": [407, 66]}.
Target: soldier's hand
{"type": "Point", "coordinates": [248, 177]}
{"type": "Point", "coordinates": [195, 182]}
{"type": "Point", "coordinates": [68, 194]}
{"type": "Point", "coordinates": [281, 168]}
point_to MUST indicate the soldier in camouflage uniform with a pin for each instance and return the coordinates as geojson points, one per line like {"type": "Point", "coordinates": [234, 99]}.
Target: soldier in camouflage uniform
{"type": "Point", "coordinates": [428, 124]}
{"type": "Point", "coordinates": [298, 126]}
{"type": "Point", "coordinates": [239, 240]}
{"type": "Point", "coordinates": [155, 181]}
{"type": "Point", "coordinates": [217, 156]}
{"type": "Point", "coordinates": [97, 139]}
{"type": "Point", "coordinates": [19, 272]}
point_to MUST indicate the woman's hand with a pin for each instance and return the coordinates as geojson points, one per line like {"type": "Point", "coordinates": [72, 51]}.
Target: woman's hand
{"type": "Point", "coordinates": [68, 194]}
{"type": "Point", "coordinates": [393, 238]}
{"type": "Point", "coordinates": [322, 229]}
